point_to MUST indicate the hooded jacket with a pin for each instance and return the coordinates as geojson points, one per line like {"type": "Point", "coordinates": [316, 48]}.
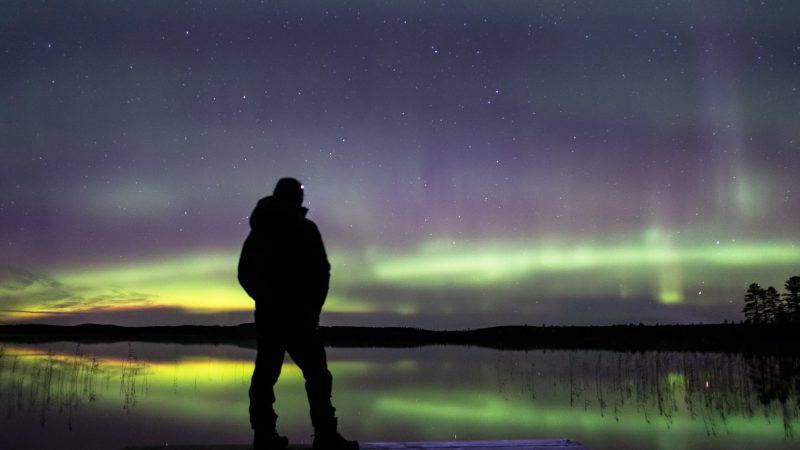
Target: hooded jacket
{"type": "Point", "coordinates": [283, 265]}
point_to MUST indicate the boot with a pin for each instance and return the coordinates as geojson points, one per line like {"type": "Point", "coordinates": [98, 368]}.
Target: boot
{"type": "Point", "coordinates": [327, 438]}
{"type": "Point", "coordinates": [269, 440]}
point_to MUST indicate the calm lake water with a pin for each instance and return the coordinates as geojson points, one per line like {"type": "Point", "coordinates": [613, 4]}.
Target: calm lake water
{"type": "Point", "coordinates": [68, 396]}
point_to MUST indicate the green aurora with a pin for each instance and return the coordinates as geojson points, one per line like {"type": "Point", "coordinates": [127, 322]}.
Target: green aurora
{"type": "Point", "coordinates": [672, 400]}
{"type": "Point", "coordinates": [469, 164]}
{"type": "Point", "coordinates": [205, 283]}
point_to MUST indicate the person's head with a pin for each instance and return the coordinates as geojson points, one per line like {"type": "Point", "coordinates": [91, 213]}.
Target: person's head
{"type": "Point", "coordinates": [289, 190]}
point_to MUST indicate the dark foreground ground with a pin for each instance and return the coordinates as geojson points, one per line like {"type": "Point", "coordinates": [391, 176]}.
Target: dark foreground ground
{"type": "Point", "coordinates": [744, 338]}
{"type": "Point", "coordinates": [448, 445]}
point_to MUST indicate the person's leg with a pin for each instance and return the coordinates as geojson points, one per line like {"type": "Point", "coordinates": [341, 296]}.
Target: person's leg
{"type": "Point", "coordinates": [269, 359]}
{"type": "Point", "coordinates": [308, 352]}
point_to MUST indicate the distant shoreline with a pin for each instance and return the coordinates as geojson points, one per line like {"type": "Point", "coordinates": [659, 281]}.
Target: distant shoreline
{"type": "Point", "coordinates": [730, 338]}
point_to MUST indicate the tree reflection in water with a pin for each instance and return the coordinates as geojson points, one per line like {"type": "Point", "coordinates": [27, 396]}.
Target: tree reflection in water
{"type": "Point", "coordinates": [777, 382]}
{"type": "Point", "coordinates": [710, 387]}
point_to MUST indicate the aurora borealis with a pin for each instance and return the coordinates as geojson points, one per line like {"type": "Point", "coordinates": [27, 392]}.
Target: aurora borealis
{"type": "Point", "coordinates": [469, 163]}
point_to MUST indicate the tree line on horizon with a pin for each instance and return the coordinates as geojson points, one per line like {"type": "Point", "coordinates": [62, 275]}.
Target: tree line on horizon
{"type": "Point", "coordinates": [769, 306]}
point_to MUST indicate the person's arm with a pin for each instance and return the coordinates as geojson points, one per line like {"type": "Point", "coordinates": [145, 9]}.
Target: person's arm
{"type": "Point", "coordinates": [322, 267]}
{"type": "Point", "coordinates": [249, 265]}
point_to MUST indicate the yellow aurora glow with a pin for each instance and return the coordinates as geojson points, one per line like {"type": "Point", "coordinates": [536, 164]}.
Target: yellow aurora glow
{"type": "Point", "coordinates": [205, 282]}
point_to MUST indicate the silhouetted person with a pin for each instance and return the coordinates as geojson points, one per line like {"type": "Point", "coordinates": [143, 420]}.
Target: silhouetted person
{"type": "Point", "coordinates": [284, 268]}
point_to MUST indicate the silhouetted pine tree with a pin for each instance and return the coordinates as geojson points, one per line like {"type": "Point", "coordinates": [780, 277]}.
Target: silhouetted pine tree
{"type": "Point", "coordinates": [771, 305]}
{"type": "Point", "coordinates": [782, 312]}
{"type": "Point", "coordinates": [753, 301]}
{"type": "Point", "coordinates": [792, 297]}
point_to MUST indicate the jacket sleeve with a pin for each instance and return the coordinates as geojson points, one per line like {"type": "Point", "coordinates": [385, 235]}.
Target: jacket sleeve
{"type": "Point", "coordinates": [322, 268]}
{"type": "Point", "coordinates": [249, 270]}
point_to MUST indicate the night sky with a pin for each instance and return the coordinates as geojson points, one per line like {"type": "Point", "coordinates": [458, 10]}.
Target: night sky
{"type": "Point", "coordinates": [469, 163]}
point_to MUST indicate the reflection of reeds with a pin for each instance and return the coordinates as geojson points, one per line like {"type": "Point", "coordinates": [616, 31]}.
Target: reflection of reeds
{"type": "Point", "coordinates": [777, 382]}
{"type": "Point", "coordinates": [129, 377]}
{"type": "Point", "coordinates": [46, 384]}
{"type": "Point", "coordinates": [661, 386]}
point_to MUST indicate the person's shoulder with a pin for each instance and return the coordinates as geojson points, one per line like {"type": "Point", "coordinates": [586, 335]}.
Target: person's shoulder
{"type": "Point", "coordinates": [264, 208]}
{"type": "Point", "coordinates": [308, 223]}
{"type": "Point", "coordinates": [308, 226]}
{"type": "Point", "coordinates": [265, 201]}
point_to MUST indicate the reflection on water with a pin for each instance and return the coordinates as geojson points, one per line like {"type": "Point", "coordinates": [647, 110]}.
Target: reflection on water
{"type": "Point", "coordinates": [113, 395]}
{"type": "Point", "coordinates": [45, 382]}
{"type": "Point", "coordinates": [720, 391]}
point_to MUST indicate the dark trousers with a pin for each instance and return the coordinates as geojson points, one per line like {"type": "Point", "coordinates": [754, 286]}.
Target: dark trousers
{"type": "Point", "coordinates": [304, 345]}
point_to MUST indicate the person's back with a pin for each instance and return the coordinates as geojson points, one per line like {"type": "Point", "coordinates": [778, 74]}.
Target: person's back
{"type": "Point", "coordinates": [284, 268]}
{"type": "Point", "coordinates": [283, 265]}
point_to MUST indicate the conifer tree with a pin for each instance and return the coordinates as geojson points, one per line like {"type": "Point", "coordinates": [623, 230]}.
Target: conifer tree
{"type": "Point", "coordinates": [771, 305]}
{"type": "Point", "coordinates": [792, 297]}
{"type": "Point", "coordinates": [753, 300]}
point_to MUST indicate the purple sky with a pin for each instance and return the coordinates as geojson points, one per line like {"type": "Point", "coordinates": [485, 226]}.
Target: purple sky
{"type": "Point", "coordinates": [449, 150]}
